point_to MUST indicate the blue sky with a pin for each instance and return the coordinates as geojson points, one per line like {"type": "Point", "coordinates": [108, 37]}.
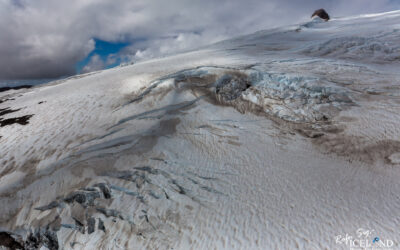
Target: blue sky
{"type": "Point", "coordinates": [103, 49]}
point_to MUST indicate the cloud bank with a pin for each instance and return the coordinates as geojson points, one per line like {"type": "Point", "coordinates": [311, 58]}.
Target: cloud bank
{"type": "Point", "coordinates": [46, 38]}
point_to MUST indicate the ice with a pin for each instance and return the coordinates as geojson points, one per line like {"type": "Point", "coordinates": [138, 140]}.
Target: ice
{"type": "Point", "coordinates": [281, 139]}
{"type": "Point", "coordinates": [358, 48]}
{"type": "Point", "coordinates": [297, 95]}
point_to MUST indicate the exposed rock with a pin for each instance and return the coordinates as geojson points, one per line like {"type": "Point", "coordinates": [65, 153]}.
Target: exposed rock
{"type": "Point", "coordinates": [231, 86]}
{"type": "Point", "coordinates": [8, 111]}
{"type": "Point", "coordinates": [15, 88]}
{"type": "Point", "coordinates": [35, 240]}
{"type": "Point", "coordinates": [8, 240]}
{"type": "Point", "coordinates": [321, 13]}
{"type": "Point", "coordinates": [22, 120]}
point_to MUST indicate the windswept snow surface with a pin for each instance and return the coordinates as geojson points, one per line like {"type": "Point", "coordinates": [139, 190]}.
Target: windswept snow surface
{"type": "Point", "coordinates": [283, 139]}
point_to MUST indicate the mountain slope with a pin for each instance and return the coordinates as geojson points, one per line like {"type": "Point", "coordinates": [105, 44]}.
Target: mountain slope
{"type": "Point", "coordinates": [281, 139]}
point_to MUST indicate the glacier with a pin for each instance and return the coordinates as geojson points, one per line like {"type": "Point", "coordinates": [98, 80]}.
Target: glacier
{"type": "Point", "coordinates": [282, 139]}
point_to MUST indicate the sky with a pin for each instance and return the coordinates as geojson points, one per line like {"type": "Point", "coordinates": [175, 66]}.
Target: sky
{"type": "Point", "coordinates": [104, 55]}
{"type": "Point", "coordinates": [52, 38]}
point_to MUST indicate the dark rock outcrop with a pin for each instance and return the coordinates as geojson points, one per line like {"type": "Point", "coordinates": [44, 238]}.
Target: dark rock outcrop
{"type": "Point", "coordinates": [322, 14]}
{"type": "Point", "coordinates": [15, 88]}
{"type": "Point", "coordinates": [230, 86]}
{"type": "Point", "coordinates": [34, 240]}
{"type": "Point", "coordinates": [8, 240]}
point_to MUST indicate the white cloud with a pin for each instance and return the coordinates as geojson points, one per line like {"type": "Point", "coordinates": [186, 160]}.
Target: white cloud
{"type": "Point", "coordinates": [95, 63]}
{"type": "Point", "coordinates": [45, 38]}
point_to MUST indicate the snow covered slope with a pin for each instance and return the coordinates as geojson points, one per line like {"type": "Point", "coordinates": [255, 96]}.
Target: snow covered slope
{"type": "Point", "coordinates": [283, 139]}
